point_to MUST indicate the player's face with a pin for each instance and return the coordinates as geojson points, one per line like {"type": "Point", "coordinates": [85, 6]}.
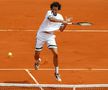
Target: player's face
{"type": "Point", "coordinates": [55, 10]}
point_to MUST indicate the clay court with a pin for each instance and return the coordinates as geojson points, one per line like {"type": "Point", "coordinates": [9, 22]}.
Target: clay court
{"type": "Point", "coordinates": [83, 51]}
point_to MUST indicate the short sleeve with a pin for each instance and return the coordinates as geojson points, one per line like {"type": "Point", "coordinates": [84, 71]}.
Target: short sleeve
{"type": "Point", "coordinates": [48, 14]}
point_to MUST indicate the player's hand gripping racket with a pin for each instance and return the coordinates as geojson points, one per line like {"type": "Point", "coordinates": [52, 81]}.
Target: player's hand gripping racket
{"type": "Point", "coordinates": [69, 20]}
{"type": "Point", "coordinates": [81, 23]}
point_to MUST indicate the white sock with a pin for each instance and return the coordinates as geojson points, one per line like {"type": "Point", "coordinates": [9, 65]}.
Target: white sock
{"type": "Point", "coordinates": [57, 70]}
{"type": "Point", "coordinates": [39, 59]}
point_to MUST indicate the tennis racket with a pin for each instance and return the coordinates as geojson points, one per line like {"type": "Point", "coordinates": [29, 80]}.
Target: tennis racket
{"type": "Point", "coordinates": [81, 23]}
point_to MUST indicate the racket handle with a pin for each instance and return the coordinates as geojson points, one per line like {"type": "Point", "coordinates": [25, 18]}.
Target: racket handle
{"type": "Point", "coordinates": [73, 23]}
{"type": "Point", "coordinates": [70, 23]}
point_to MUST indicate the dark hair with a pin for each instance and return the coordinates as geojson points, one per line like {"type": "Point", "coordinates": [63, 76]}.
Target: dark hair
{"type": "Point", "coordinates": [56, 4]}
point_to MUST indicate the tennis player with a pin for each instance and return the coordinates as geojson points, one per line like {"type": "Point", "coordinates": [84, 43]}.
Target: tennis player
{"type": "Point", "coordinates": [53, 21]}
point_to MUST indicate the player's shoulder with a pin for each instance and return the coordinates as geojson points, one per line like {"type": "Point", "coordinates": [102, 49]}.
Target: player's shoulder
{"type": "Point", "coordinates": [49, 12]}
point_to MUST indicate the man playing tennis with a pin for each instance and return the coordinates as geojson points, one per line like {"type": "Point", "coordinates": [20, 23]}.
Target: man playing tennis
{"type": "Point", "coordinates": [53, 21]}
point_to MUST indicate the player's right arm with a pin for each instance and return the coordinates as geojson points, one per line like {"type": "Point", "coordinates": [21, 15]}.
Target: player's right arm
{"type": "Point", "coordinates": [63, 25]}
{"type": "Point", "coordinates": [52, 19]}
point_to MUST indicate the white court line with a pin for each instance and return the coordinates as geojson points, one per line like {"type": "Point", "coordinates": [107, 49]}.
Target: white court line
{"type": "Point", "coordinates": [50, 69]}
{"type": "Point", "coordinates": [33, 78]}
{"type": "Point", "coordinates": [57, 85]}
{"type": "Point", "coordinates": [11, 30]}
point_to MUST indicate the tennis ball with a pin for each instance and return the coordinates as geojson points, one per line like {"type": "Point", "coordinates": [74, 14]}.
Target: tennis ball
{"type": "Point", "coordinates": [10, 54]}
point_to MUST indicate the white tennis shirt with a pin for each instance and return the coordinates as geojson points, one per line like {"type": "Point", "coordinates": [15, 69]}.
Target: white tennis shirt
{"type": "Point", "coordinates": [49, 26]}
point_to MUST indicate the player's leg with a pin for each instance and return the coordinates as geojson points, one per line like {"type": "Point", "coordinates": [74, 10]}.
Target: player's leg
{"type": "Point", "coordinates": [53, 47]}
{"type": "Point", "coordinates": [38, 49]}
{"type": "Point", "coordinates": [55, 59]}
{"type": "Point", "coordinates": [37, 59]}
{"type": "Point", "coordinates": [55, 62]}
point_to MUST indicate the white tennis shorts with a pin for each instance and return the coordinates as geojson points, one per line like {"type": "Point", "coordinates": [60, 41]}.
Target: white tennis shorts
{"type": "Point", "coordinates": [43, 38]}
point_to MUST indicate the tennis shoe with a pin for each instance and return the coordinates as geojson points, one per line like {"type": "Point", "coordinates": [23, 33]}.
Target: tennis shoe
{"type": "Point", "coordinates": [58, 77]}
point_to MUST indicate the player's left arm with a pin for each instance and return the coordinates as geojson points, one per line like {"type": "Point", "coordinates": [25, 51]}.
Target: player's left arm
{"type": "Point", "coordinates": [62, 27]}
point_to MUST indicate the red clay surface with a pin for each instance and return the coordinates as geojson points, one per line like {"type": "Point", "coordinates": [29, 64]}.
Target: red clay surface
{"type": "Point", "coordinates": [14, 77]}
{"type": "Point", "coordinates": [76, 49]}
{"type": "Point", "coordinates": [28, 14]}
